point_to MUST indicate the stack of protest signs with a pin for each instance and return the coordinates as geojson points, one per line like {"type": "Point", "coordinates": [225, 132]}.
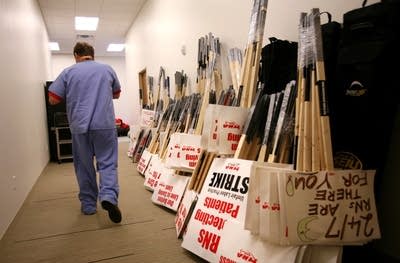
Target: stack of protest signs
{"type": "Point", "coordinates": [216, 231]}
{"type": "Point", "coordinates": [247, 210]}
{"type": "Point", "coordinates": [327, 208]}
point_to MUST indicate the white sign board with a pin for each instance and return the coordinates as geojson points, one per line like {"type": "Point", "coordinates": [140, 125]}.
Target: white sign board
{"type": "Point", "coordinates": [184, 212]}
{"type": "Point", "coordinates": [153, 172]}
{"type": "Point", "coordinates": [183, 151]}
{"type": "Point", "coordinates": [169, 189]}
{"type": "Point", "coordinates": [144, 161]}
{"type": "Point", "coordinates": [147, 118]}
{"type": "Point", "coordinates": [223, 126]}
{"type": "Point", "coordinates": [329, 207]}
{"type": "Point", "coordinates": [216, 228]}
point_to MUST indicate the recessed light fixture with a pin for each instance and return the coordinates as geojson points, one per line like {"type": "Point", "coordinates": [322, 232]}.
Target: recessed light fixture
{"type": "Point", "coordinates": [86, 23]}
{"type": "Point", "coordinates": [54, 46]}
{"type": "Point", "coordinates": [115, 47]}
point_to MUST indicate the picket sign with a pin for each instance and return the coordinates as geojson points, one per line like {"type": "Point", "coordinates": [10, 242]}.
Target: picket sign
{"type": "Point", "coordinates": [259, 206]}
{"type": "Point", "coordinates": [184, 212]}
{"type": "Point", "coordinates": [134, 134]}
{"type": "Point", "coordinates": [183, 151]}
{"type": "Point", "coordinates": [154, 171]}
{"type": "Point", "coordinates": [327, 208]}
{"type": "Point", "coordinates": [216, 228]}
{"type": "Point", "coordinates": [270, 211]}
{"type": "Point", "coordinates": [169, 189]}
{"type": "Point", "coordinates": [147, 118]}
{"type": "Point", "coordinates": [172, 158]}
{"type": "Point", "coordinates": [223, 126]}
{"type": "Point", "coordinates": [330, 208]}
{"type": "Point", "coordinates": [144, 161]}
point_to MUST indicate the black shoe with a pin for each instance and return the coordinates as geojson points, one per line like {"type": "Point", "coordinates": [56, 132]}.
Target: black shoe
{"type": "Point", "coordinates": [113, 211]}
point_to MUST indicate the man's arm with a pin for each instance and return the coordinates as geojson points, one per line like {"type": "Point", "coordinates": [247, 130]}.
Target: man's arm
{"type": "Point", "coordinates": [116, 86]}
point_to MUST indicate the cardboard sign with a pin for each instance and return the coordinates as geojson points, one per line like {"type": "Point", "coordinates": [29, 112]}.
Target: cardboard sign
{"type": "Point", "coordinates": [173, 156]}
{"type": "Point", "coordinates": [144, 161]}
{"type": "Point", "coordinates": [184, 212]}
{"type": "Point", "coordinates": [183, 151]}
{"type": "Point", "coordinates": [223, 126]}
{"type": "Point", "coordinates": [147, 118]}
{"type": "Point", "coordinates": [190, 151]}
{"type": "Point", "coordinates": [169, 189]}
{"type": "Point", "coordinates": [153, 172]}
{"type": "Point", "coordinates": [267, 202]}
{"type": "Point", "coordinates": [216, 228]}
{"type": "Point", "coordinates": [329, 207]}
{"type": "Point", "coordinates": [252, 219]}
{"type": "Point", "coordinates": [263, 201]}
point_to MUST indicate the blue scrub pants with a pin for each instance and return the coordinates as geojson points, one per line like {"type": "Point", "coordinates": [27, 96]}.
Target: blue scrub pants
{"type": "Point", "coordinates": [103, 145]}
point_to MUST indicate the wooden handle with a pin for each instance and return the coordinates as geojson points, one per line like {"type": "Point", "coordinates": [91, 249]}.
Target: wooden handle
{"type": "Point", "coordinates": [315, 127]}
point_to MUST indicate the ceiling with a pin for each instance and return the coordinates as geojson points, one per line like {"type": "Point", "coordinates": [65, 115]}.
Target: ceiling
{"type": "Point", "coordinates": [115, 19]}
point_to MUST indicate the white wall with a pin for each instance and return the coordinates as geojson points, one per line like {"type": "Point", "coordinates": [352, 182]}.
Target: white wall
{"type": "Point", "coordinates": [122, 106]}
{"type": "Point", "coordinates": [24, 68]}
{"type": "Point", "coordinates": [163, 26]}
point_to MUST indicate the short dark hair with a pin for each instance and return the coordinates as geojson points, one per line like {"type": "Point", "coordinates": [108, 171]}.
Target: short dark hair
{"type": "Point", "coordinates": [83, 49]}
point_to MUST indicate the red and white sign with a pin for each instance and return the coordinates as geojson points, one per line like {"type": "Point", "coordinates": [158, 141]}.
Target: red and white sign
{"type": "Point", "coordinates": [173, 155]}
{"type": "Point", "coordinates": [258, 206]}
{"type": "Point", "coordinates": [216, 228]}
{"type": "Point", "coordinates": [144, 161]}
{"type": "Point", "coordinates": [183, 151]}
{"type": "Point", "coordinates": [169, 189]}
{"type": "Point", "coordinates": [153, 172]}
{"type": "Point", "coordinates": [223, 126]}
{"type": "Point", "coordinates": [184, 212]}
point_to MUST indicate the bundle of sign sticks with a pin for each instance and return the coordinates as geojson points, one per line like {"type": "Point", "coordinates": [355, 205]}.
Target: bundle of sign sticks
{"type": "Point", "coordinates": [313, 146]}
{"type": "Point", "coordinates": [292, 126]}
{"type": "Point", "coordinates": [185, 112]}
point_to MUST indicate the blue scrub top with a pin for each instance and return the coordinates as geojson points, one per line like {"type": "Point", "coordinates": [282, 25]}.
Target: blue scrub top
{"type": "Point", "coordinates": [88, 88]}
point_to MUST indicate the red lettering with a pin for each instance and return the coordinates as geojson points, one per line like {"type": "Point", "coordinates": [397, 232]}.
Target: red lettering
{"type": "Point", "coordinates": [223, 259]}
{"type": "Point", "coordinates": [208, 240]}
{"type": "Point", "coordinates": [191, 157]}
{"type": "Point", "coordinates": [233, 137]}
{"type": "Point", "coordinates": [222, 206]}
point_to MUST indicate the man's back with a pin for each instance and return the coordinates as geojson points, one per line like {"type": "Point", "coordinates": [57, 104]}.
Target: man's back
{"type": "Point", "coordinates": [88, 89]}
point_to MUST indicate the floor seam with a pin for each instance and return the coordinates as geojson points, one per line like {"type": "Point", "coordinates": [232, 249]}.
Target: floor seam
{"type": "Point", "coordinates": [82, 231]}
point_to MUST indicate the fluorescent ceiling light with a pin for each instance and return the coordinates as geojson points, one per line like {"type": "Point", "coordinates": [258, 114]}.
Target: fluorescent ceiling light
{"type": "Point", "coordinates": [54, 46]}
{"type": "Point", "coordinates": [86, 23]}
{"type": "Point", "coordinates": [115, 47]}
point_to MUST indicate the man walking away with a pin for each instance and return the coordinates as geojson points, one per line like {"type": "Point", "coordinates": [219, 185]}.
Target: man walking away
{"type": "Point", "coordinates": [88, 88]}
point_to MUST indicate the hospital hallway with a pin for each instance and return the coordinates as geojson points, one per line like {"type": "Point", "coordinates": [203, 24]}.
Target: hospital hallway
{"type": "Point", "coordinates": [50, 227]}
